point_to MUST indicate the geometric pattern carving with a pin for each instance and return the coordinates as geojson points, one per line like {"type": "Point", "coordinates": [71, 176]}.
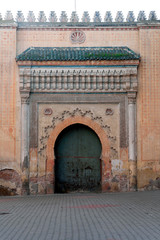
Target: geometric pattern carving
{"type": "Point", "coordinates": [79, 80]}
{"type": "Point", "coordinates": [78, 112]}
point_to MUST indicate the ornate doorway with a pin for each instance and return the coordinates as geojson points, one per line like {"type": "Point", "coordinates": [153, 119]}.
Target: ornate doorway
{"type": "Point", "coordinates": [77, 165]}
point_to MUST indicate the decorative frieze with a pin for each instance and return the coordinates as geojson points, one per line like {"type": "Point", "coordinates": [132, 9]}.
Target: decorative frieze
{"type": "Point", "coordinates": [85, 17]}
{"type": "Point", "coordinates": [89, 79]}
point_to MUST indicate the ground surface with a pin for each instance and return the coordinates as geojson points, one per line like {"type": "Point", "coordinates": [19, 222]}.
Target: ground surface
{"type": "Point", "coordinates": [111, 216]}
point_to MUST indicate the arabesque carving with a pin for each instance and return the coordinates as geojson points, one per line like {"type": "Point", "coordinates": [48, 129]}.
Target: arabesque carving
{"type": "Point", "coordinates": [78, 112]}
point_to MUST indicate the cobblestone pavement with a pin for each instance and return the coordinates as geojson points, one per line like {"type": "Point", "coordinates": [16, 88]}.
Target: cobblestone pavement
{"type": "Point", "coordinates": [111, 216]}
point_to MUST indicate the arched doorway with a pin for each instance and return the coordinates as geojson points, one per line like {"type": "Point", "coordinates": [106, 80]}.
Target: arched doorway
{"type": "Point", "coordinates": [77, 163]}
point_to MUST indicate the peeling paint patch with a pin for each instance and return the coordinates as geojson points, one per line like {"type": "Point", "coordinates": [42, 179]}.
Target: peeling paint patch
{"type": "Point", "coordinates": [148, 179]}
{"type": "Point", "coordinates": [10, 182]}
{"type": "Point", "coordinates": [155, 183]}
{"type": "Point", "coordinates": [25, 163]}
{"type": "Point", "coordinates": [117, 165]}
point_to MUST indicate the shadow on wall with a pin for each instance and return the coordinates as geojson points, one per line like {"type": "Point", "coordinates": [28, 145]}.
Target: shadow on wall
{"type": "Point", "coordinates": [10, 182]}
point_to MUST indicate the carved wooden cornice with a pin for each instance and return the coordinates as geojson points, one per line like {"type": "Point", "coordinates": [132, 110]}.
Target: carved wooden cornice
{"type": "Point", "coordinates": [110, 79]}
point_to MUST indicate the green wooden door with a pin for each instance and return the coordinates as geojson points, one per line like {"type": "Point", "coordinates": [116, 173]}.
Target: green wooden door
{"type": "Point", "coordinates": [77, 165]}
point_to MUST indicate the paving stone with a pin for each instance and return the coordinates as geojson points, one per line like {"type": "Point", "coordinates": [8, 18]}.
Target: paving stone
{"type": "Point", "coordinates": [115, 216]}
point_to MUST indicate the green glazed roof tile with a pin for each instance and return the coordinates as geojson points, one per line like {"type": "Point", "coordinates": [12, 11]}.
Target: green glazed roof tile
{"type": "Point", "coordinates": [77, 54]}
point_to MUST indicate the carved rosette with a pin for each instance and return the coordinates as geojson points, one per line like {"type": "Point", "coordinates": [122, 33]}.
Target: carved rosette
{"type": "Point", "coordinates": [78, 37]}
{"type": "Point", "coordinates": [109, 111]}
{"type": "Point", "coordinates": [48, 111]}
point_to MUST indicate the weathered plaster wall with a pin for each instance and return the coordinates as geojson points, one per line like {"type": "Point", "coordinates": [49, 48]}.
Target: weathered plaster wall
{"type": "Point", "coordinates": [142, 40]}
{"type": "Point", "coordinates": [61, 38]}
{"type": "Point", "coordinates": [9, 118]}
{"type": "Point", "coordinates": [94, 37]}
{"type": "Point", "coordinates": [148, 109]}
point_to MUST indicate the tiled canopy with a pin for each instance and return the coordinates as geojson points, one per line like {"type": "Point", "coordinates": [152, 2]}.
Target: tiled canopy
{"type": "Point", "coordinates": [77, 54]}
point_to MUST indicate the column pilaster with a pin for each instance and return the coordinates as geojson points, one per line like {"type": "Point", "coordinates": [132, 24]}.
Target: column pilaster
{"type": "Point", "coordinates": [25, 142]}
{"type": "Point", "coordinates": [132, 141]}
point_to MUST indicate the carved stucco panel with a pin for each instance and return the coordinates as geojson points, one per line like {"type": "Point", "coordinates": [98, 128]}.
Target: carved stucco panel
{"type": "Point", "coordinates": [96, 112]}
